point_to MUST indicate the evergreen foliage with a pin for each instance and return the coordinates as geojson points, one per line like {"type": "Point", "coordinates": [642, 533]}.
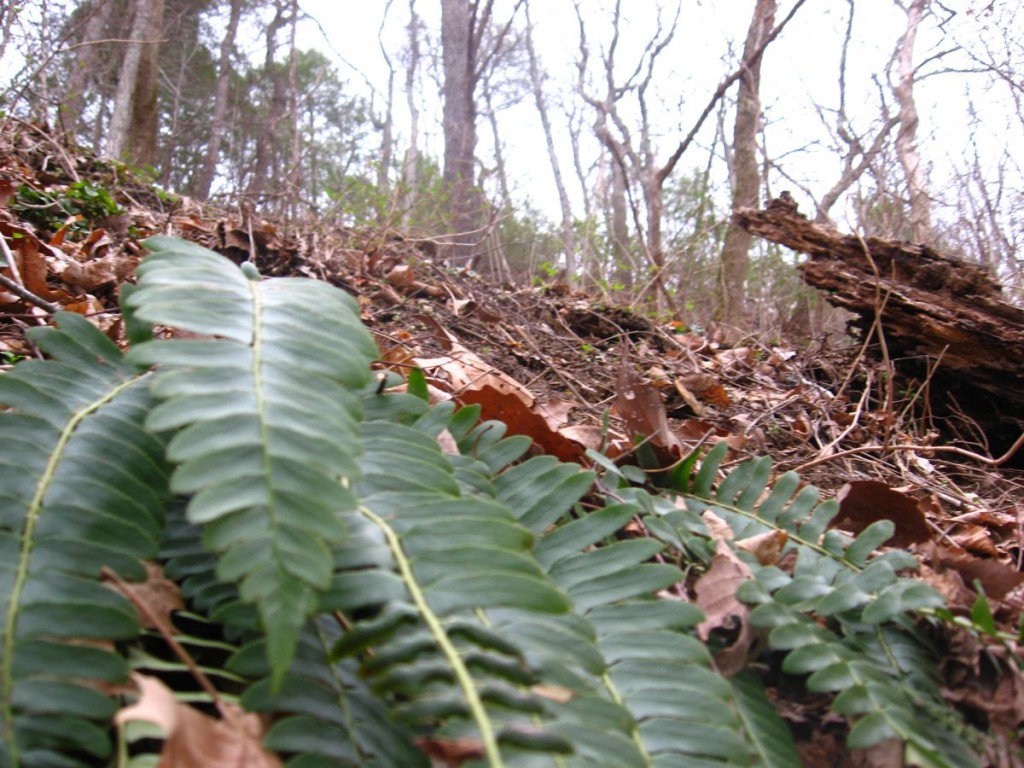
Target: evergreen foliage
{"type": "Point", "coordinates": [382, 593]}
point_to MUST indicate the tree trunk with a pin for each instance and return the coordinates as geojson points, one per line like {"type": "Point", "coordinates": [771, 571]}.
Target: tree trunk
{"type": "Point", "coordinates": [386, 126]}
{"type": "Point", "coordinates": [906, 137]}
{"type": "Point", "coordinates": [410, 163]}
{"type": "Point", "coordinates": [119, 135]}
{"type": "Point", "coordinates": [267, 140]}
{"type": "Point", "coordinates": [294, 175]}
{"type": "Point", "coordinates": [746, 182]}
{"type": "Point", "coordinates": [537, 85]}
{"type": "Point", "coordinates": [145, 120]}
{"type": "Point", "coordinates": [218, 125]}
{"type": "Point", "coordinates": [459, 60]}
{"type": "Point", "coordinates": [499, 154]}
{"type": "Point", "coordinates": [618, 229]}
{"type": "Point", "coordinates": [82, 75]}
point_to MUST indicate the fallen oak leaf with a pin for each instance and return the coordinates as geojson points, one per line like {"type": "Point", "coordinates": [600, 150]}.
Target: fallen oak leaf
{"type": "Point", "coordinates": [467, 372]}
{"type": "Point", "coordinates": [157, 593]}
{"type": "Point", "coordinates": [195, 740]}
{"type": "Point", "coordinates": [766, 547]}
{"type": "Point", "coordinates": [717, 527]}
{"type": "Point", "coordinates": [863, 502]}
{"type": "Point", "coordinates": [642, 409]}
{"type": "Point", "coordinates": [522, 419]}
{"type": "Point", "coordinates": [996, 578]}
{"type": "Point", "coordinates": [716, 590]}
{"type": "Point", "coordinates": [716, 596]}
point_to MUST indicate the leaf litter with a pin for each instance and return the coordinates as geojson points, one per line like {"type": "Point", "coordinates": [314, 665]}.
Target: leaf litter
{"type": "Point", "coordinates": [574, 373]}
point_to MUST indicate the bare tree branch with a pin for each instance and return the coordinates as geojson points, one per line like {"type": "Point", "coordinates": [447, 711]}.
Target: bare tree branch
{"type": "Point", "coordinates": [720, 91]}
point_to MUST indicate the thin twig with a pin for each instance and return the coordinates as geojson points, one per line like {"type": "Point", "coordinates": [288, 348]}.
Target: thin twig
{"type": "Point", "coordinates": [168, 635]}
{"type": "Point", "coordinates": [854, 422]}
{"type": "Point", "coordinates": [27, 295]}
{"type": "Point", "coordinates": [922, 449]}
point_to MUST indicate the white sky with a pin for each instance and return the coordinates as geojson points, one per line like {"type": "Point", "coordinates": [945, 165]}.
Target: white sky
{"type": "Point", "coordinates": [799, 69]}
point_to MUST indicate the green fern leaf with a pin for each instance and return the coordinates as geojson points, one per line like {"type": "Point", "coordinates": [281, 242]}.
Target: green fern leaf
{"type": "Point", "coordinates": [330, 716]}
{"type": "Point", "coordinates": [769, 735]}
{"type": "Point", "coordinates": [264, 418]}
{"type": "Point", "coordinates": [426, 563]}
{"type": "Point", "coordinates": [82, 487]}
{"type": "Point", "coordinates": [885, 675]}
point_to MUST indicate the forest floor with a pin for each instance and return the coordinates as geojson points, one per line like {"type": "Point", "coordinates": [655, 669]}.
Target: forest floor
{"type": "Point", "coordinates": [574, 374]}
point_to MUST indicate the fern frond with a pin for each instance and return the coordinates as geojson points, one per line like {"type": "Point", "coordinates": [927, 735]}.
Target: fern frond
{"type": "Point", "coordinates": [868, 651]}
{"type": "Point", "coordinates": [331, 715]}
{"type": "Point", "coordinates": [416, 576]}
{"type": "Point", "coordinates": [82, 486]}
{"type": "Point", "coordinates": [264, 421]}
{"type": "Point", "coordinates": [679, 710]}
{"type": "Point", "coordinates": [641, 689]}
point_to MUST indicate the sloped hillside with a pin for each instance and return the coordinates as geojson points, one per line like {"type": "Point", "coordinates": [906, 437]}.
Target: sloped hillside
{"type": "Point", "coordinates": [664, 417]}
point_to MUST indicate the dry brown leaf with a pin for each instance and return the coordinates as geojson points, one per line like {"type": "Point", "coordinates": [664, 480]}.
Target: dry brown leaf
{"type": "Point", "coordinates": [717, 527]}
{"type": "Point", "coordinates": [33, 269]}
{"type": "Point", "coordinates": [864, 502]}
{"type": "Point", "coordinates": [641, 407]}
{"type": "Point", "coordinates": [739, 358]}
{"type": "Point", "coordinates": [195, 740]}
{"type": "Point", "coordinates": [7, 191]}
{"type": "Point", "coordinates": [458, 305]}
{"type": "Point", "coordinates": [236, 239]}
{"type": "Point", "coordinates": [522, 420]}
{"type": "Point", "coordinates": [86, 305]}
{"type": "Point", "coordinates": [716, 596]}
{"type": "Point", "coordinates": [1000, 520]}
{"type": "Point", "coordinates": [160, 595]}
{"type": "Point", "coordinates": [801, 428]}
{"type": "Point", "coordinates": [555, 411]}
{"type": "Point", "coordinates": [976, 539]}
{"type": "Point", "coordinates": [996, 578]}
{"type": "Point", "coordinates": [737, 441]}
{"type": "Point", "coordinates": [588, 435]}
{"type": "Point", "coordinates": [401, 277]}
{"type": "Point", "coordinates": [96, 244]}
{"type": "Point", "coordinates": [90, 275]}
{"type": "Point", "coordinates": [766, 547]}
{"type": "Point", "coordinates": [707, 388]}
{"type": "Point", "coordinates": [716, 590]}
{"type": "Point", "coordinates": [697, 429]}
{"type": "Point", "coordinates": [885, 754]}
{"type": "Point", "coordinates": [58, 237]}
{"type": "Point", "coordinates": [466, 371]}
{"type": "Point", "coordinates": [385, 294]}
{"type": "Point", "coordinates": [690, 399]}
{"type": "Point", "coordinates": [948, 583]}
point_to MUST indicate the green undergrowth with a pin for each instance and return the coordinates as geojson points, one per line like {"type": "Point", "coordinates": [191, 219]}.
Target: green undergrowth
{"type": "Point", "coordinates": [385, 578]}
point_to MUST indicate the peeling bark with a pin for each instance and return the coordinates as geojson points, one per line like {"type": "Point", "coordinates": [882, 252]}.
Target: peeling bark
{"type": "Point", "coordinates": [934, 310]}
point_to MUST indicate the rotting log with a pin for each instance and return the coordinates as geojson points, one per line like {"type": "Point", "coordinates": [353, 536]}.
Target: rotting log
{"type": "Point", "coordinates": [934, 309]}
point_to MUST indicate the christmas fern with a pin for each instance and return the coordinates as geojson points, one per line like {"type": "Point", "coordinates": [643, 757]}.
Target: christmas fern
{"type": "Point", "coordinates": [396, 583]}
{"type": "Point", "coordinates": [82, 485]}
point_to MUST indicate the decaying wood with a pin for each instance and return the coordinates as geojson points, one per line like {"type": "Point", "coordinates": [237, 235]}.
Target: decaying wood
{"type": "Point", "coordinates": [934, 308]}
